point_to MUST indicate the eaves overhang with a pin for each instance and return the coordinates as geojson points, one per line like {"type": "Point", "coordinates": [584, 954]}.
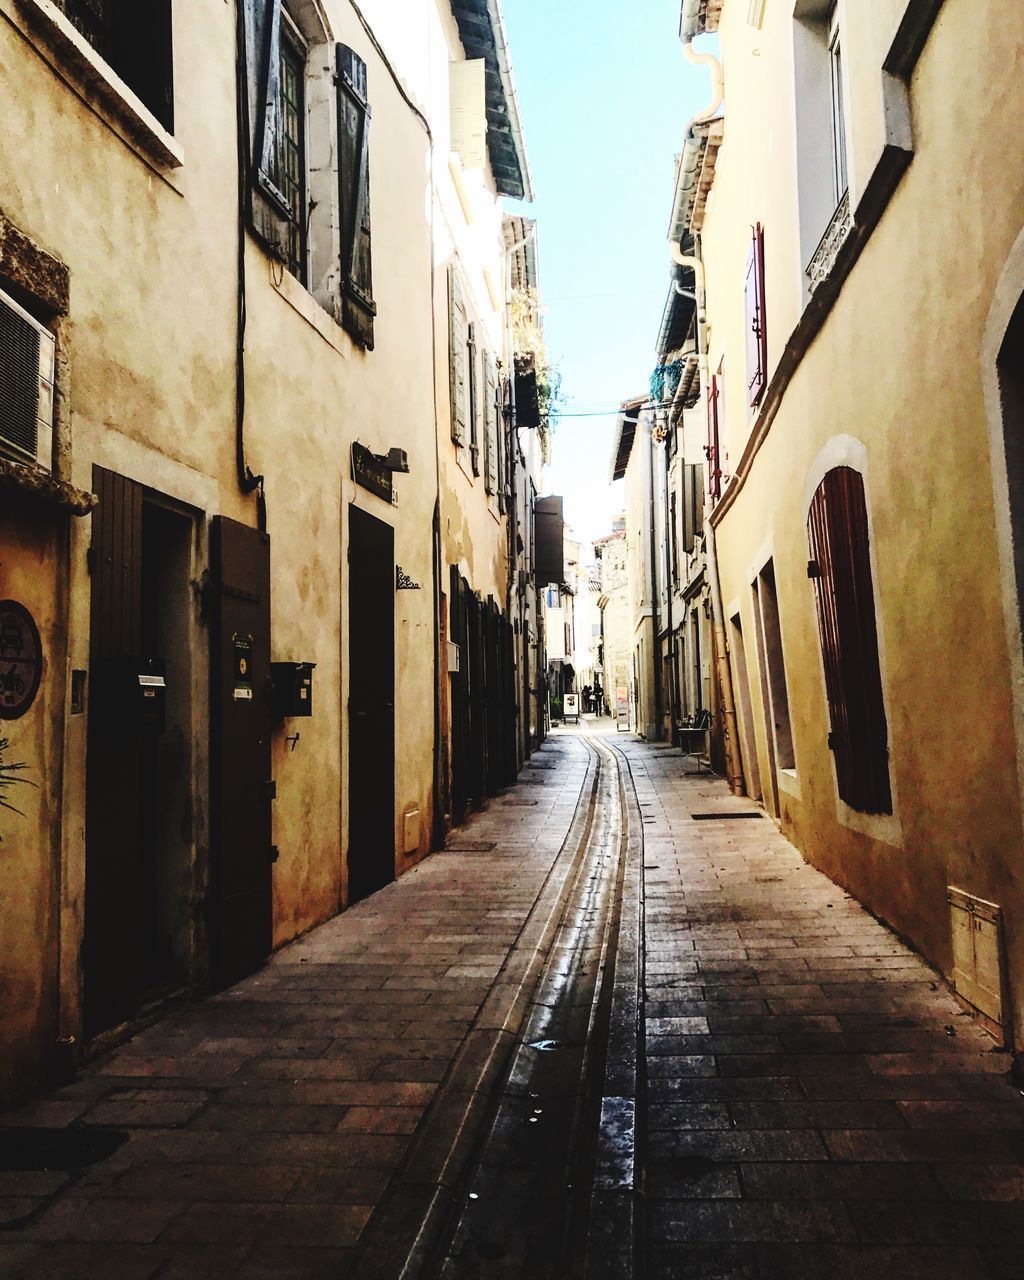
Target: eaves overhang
{"type": "Point", "coordinates": [680, 308]}
{"type": "Point", "coordinates": [625, 431]}
{"type": "Point", "coordinates": [482, 31]}
{"type": "Point", "coordinates": [699, 17]}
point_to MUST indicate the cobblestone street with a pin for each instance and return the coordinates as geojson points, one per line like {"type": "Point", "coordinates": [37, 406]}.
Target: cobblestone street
{"type": "Point", "coordinates": [813, 1101]}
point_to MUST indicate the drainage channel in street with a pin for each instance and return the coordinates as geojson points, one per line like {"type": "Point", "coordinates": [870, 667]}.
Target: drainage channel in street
{"type": "Point", "coordinates": [528, 1191]}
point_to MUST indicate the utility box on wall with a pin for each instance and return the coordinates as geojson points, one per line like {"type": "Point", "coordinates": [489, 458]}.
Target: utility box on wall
{"type": "Point", "coordinates": [977, 930]}
{"type": "Point", "coordinates": [292, 688]}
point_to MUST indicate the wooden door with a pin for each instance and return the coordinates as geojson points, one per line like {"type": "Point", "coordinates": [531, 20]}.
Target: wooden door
{"type": "Point", "coordinates": [114, 757]}
{"type": "Point", "coordinates": [241, 790]}
{"type": "Point", "coordinates": [371, 722]}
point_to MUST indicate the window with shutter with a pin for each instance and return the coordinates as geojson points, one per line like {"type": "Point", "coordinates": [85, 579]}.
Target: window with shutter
{"type": "Point", "coordinates": [491, 456]}
{"type": "Point", "coordinates": [357, 306]}
{"type": "Point", "coordinates": [269, 213]}
{"type": "Point", "coordinates": [840, 567]}
{"type": "Point", "coordinates": [757, 333]}
{"type": "Point", "coordinates": [457, 348]}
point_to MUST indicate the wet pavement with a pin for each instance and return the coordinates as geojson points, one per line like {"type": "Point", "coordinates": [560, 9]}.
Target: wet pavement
{"type": "Point", "coordinates": [598, 1037]}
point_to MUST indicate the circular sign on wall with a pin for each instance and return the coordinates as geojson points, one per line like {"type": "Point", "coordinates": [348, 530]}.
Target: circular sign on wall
{"type": "Point", "coordinates": [21, 660]}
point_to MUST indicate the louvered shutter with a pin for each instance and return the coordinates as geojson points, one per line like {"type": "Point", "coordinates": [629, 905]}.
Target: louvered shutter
{"type": "Point", "coordinates": [490, 425]}
{"type": "Point", "coordinates": [840, 567]}
{"type": "Point", "coordinates": [473, 360]}
{"type": "Point", "coordinates": [457, 356]}
{"type": "Point", "coordinates": [712, 448]}
{"type": "Point", "coordinates": [757, 334]}
{"type": "Point", "coordinates": [357, 306]}
{"type": "Point", "coordinates": [268, 209]}
{"type": "Point", "coordinates": [689, 506]}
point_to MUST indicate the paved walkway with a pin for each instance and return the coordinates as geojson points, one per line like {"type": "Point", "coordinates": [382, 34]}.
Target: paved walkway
{"type": "Point", "coordinates": [267, 1124]}
{"type": "Point", "coordinates": [818, 1104]}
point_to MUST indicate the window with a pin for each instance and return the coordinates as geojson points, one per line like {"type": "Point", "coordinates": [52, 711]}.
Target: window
{"type": "Point", "coordinates": [840, 567]}
{"type": "Point", "coordinates": [290, 160]}
{"type": "Point", "coordinates": [835, 56]}
{"type": "Point", "coordinates": [135, 39]}
{"type": "Point", "coordinates": [693, 504]}
{"type": "Point", "coordinates": [775, 667]}
{"type": "Point", "coordinates": [757, 333]}
{"type": "Point", "coordinates": [712, 450]}
{"type": "Point", "coordinates": [674, 539]}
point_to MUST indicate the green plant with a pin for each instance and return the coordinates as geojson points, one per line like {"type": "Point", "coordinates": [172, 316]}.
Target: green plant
{"type": "Point", "coordinates": [556, 708]}
{"type": "Point", "coordinates": [528, 344]}
{"type": "Point", "coordinates": [10, 775]}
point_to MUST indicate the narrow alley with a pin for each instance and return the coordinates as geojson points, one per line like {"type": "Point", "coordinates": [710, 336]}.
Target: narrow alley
{"type": "Point", "coordinates": [617, 1028]}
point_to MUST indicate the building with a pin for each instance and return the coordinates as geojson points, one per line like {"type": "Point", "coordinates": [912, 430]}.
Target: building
{"type": "Point", "coordinates": [864, 494]}
{"type": "Point", "coordinates": [254, 565]}
{"type": "Point", "coordinates": [613, 603]}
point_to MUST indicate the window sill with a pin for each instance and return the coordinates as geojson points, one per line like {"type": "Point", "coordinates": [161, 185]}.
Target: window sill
{"type": "Point", "coordinates": [790, 783]}
{"type": "Point", "coordinates": [100, 85]}
{"type": "Point", "coordinates": [301, 300]}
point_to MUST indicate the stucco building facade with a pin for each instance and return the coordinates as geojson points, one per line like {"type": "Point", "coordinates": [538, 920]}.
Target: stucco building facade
{"type": "Point", "coordinates": [236, 546]}
{"type": "Point", "coordinates": [854, 191]}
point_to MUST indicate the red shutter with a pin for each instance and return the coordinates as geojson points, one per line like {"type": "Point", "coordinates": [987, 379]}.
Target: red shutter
{"type": "Point", "coordinates": [757, 333]}
{"type": "Point", "coordinates": [837, 529]}
{"type": "Point", "coordinates": [712, 448]}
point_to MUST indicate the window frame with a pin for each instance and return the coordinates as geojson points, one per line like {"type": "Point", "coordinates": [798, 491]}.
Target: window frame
{"type": "Point", "coordinates": [840, 159]}
{"type": "Point", "coordinates": [293, 54]}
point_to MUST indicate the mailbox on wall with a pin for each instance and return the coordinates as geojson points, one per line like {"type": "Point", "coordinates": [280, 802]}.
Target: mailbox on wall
{"type": "Point", "coordinates": [292, 688]}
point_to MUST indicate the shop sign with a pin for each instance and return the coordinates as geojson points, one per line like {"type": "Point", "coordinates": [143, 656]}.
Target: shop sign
{"type": "Point", "coordinates": [21, 660]}
{"type": "Point", "coordinates": [369, 472]}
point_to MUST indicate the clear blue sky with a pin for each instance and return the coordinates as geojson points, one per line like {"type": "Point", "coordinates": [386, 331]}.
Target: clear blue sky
{"type": "Point", "coordinates": [605, 95]}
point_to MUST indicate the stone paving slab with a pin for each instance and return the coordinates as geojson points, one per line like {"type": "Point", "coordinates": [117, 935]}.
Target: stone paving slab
{"type": "Point", "coordinates": [817, 1102]}
{"type": "Point", "coordinates": [266, 1124]}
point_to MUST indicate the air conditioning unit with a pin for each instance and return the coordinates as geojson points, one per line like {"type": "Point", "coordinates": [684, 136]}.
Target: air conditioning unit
{"type": "Point", "coordinates": [27, 351]}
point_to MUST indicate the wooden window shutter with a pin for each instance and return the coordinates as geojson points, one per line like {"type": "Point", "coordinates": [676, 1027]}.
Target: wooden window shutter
{"type": "Point", "coordinates": [840, 567]}
{"type": "Point", "coordinates": [458, 373]}
{"type": "Point", "coordinates": [712, 448]}
{"type": "Point", "coordinates": [268, 208]}
{"type": "Point", "coordinates": [689, 505]}
{"type": "Point", "coordinates": [357, 305]}
{"type": "Point", "coordinates": [757, 332]}
{"type": "Point", "coordinates": [473, 359]}
{"type": "Point", "coordinates": [490, 425]}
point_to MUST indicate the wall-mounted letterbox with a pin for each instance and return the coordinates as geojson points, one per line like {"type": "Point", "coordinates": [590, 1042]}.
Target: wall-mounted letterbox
{"type": "Point", "coordinates": [292, 688]}
{"type": "Point", "coordinates": [131, 693]}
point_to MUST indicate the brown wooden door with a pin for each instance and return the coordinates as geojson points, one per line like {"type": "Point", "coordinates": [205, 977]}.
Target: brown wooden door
{"type": "Point", "coordinates": [114, 758]}
{"type": "Point", "coordinates": [371, 721]}
{"type": "Point", "coordinates": [241, 790]}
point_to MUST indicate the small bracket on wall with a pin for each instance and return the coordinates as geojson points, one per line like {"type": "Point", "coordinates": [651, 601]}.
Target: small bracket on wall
{"type": "Point", "coordinates": [403, 582]}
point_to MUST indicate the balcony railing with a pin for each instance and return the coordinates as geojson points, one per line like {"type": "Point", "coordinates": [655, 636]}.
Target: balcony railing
{"type": "Point", "coordinates": [832, 241]}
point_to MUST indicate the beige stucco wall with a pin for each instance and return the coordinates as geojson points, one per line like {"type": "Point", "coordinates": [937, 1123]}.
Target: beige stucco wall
{"type": "Point", "coordinates": [897, 368]}
{"type": "Point", "coordinates": [152, 256]}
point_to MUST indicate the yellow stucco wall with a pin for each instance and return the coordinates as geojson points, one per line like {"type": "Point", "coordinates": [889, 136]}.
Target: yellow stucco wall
{"type": "Point", "coordinates": [898, 367]}
{"type": "Point", "coordinates": [151, 343]}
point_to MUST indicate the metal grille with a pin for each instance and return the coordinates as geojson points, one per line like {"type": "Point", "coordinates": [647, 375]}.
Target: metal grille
{"type": "Point", "coordinates": [19, 381]}
{"type": "Point", "coordinates": [291, 155]}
